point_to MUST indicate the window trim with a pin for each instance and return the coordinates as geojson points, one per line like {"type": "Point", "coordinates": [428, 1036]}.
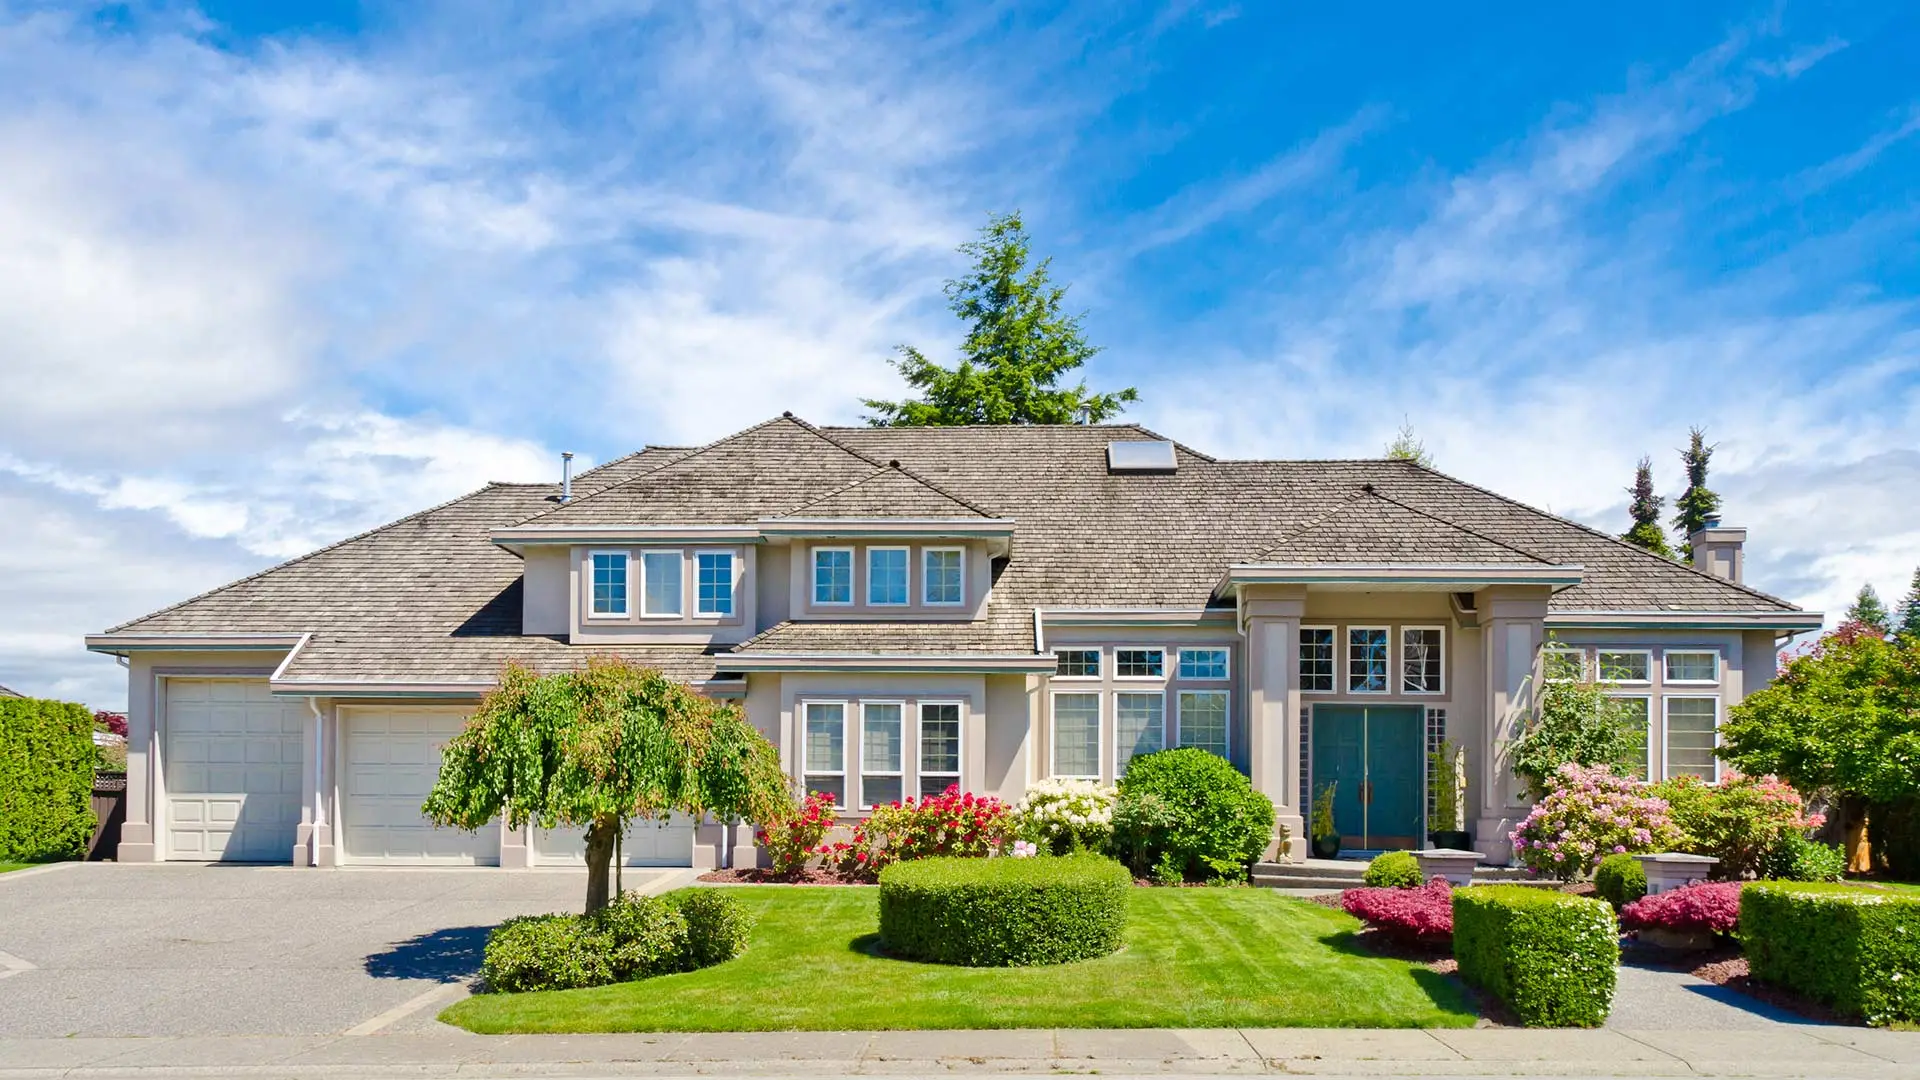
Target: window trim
{"type": "Point", "coordinates": [906, 570]}
{"type": "Point", "coordinates": [919, 736]}
{"type": "Point", "coordinates": [626, 592]}
{"type": "Point", "coordinates": [813, 577]}
{"type": "Point", "coordinates": [1666, 731]}
{"type": "Point", "coordinates": [1599, 669]}
{"type": "Point", "coordinates": [680, 559]}
{"type": "Point", "coordinates": [1656, 756]}
{"type": "Point", "coordinates": [901, 772]}
{"type": "Point", "coordinates": [1442, 631]}
{"type": "Point", "coordinates": [1226, 653]}
{"type": "Point", "coordinates": [733, 584]}
{"type": "Point", "coordinates": [1571, 650]}
{"type": "Point", "coordinates": [1333, 640]}
{"type": "Point", "coordinates": [846, 713]}
{"type": "Point", "coordinates": [1346, 652]}
{"type": "Point", "coordinates": [1160, 678]}
{"type": "Point", "coordinates": [926, 567]}
{"type": "Point", "coordinates": [1112, 761]}
{"type": "Point", "coordinates": [1719, 666]}
{"type": "Point", "coordinates": [1179, 714]}
{"type": "Point", "coordinates": [1053, 733]}
{"type": "Point", "coordinates": [1096, 650]}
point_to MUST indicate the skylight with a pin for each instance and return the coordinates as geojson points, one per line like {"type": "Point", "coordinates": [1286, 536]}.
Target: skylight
{"type": "Point", "coordinates": [1141, 456]}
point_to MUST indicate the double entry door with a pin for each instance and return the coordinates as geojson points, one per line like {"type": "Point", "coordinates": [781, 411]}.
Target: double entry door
{"type": "Point", "coordinates": [1372, 755]}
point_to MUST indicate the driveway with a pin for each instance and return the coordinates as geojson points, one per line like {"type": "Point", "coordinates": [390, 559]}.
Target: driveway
{"type": "Point", "coordinates": [105, 949]}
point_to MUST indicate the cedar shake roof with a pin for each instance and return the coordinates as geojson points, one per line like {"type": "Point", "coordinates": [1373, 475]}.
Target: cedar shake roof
{"type": "Point", "coordinates": [5, 692]}
{"type": "Point", "coordinates": [431, 598]}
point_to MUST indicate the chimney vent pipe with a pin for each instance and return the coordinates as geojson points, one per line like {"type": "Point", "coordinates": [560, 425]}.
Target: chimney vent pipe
{"type": "Point", "coordinates": [566, 476]}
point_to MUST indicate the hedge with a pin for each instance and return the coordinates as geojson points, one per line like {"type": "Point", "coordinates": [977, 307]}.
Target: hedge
{"type": "Point", "coordinates": [1394, 870]}
{"type": "Point", "coordinates": [1551, 956]}
{"type": "Point", "coordinates": [1004, 912]}
{"type": "Point", "coordinates": [634, 937]}
{"type": "Point", "coordinates": [46, 780]}
{"type": "Point", "coordinates": [1854, 949]}
{"type": "Point", "coordinates": [1620, 880]}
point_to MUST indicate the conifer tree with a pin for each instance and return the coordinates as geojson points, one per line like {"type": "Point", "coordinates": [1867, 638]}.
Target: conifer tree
{"type": "Point", "coordinates": [1906, 626]}
{"type": "Point", "coordinates": [1867, 610]}
{"type": "Point", "coordinates": [1646, 531]}
{"type": "Point", "coordinates": [1406, 446]}
{"type": "Point", "coordinates": [1696, 504]}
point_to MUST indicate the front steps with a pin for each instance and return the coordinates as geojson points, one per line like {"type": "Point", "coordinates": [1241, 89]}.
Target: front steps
{"type": "Point", "coordinates": [1349, 873]}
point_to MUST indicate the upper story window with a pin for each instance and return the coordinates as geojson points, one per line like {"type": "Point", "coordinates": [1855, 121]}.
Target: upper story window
{"type": "Point", "coordinates": [1422, 660]}
{"type": "Point", "coordinates": [609, 583]}
{"type": "Point", "coordinates": [1693, 667]}
{"type": "Point", "coordinates": [1140, 663]}
{"type": "Point", "coordinates": [1076, 663]}
{"type": "Point", "coordinates": [833, 575]}
{"type": "Point", "coordinates": [1367, 659]}
{"type": "Point", "coordinates": [715, 585]}
{"type": "Point", "coordinates": [1203, 664]}
{"type": "Point", "coordinates": [660, 584]}
{"type": "Point", "coordinates": [887, 576]}
{"type": "Point", "coordinates": [1316, 659]}
{"type": "Point", "coordinates": [1626, 666]}
{"type": "Point", "coordinates": [1559, 664]}
{"type": "Point", "coordinates": [944, 574]}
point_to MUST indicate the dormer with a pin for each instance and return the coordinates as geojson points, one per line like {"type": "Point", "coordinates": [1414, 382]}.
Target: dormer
{"type": "Point", "coordinates": [890, 569]}
{"type": "Point", "coordinates": [625, 584]}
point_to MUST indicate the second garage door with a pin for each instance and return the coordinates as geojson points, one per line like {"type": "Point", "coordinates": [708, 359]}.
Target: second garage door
{"type": "Point", "coordinates": [392, 756]}
{"type": "Point", "coordinates": [232, 771]}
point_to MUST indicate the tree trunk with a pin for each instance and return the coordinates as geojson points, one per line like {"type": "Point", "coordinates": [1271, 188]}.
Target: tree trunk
{"type": "Point", "coordinates": [600, 837]}
{"type": "Point", "coordinates": [1853, 818]}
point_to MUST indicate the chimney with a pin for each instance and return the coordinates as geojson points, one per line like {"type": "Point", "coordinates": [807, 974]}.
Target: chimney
{"type": "Point", "coordinates": [566, 476]}
{"type": "Point", "coordinates": [1717, 549]}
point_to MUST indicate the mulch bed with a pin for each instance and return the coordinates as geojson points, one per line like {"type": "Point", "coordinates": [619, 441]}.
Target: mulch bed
{"type": "Point", "coordinates": [755, 876]}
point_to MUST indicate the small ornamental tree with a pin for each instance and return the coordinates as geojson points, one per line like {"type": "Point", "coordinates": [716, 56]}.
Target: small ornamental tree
{"type": "Point", "coordinates": [595, 748]}
{"type": "Point", "coordinates": [1697, 503]}
{"type": "Point", "coordinates": [1645, 508]}
{"type": "Point", "coordinates": [1868, 611]}
{"type": "Point", "coordinates": [1576, 723]}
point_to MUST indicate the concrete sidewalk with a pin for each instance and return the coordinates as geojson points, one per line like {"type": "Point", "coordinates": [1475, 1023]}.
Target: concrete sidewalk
{"type": "Point", "coordinates": [1832, 1052]}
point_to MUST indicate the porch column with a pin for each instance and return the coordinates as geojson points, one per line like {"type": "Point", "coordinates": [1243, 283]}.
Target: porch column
{"type": "Point", "coordinates": [1272, 616]}
{"type": "Point", "coordinates": [1514, 622]}
{"type": "Point", "coordinates": [143, 763]}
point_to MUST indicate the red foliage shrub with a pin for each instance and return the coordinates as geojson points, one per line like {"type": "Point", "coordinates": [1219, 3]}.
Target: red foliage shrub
{"type": "Point", "coordinates": [1707, 905]}
{"type": "Point", "coordinates": [1422, 914]}
{"type": "Point", "coordinates": [115, 723]}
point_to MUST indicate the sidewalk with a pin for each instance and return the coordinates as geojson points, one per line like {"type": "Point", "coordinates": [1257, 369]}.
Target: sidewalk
{"type": "Point", "coordinates": [1840, 1053]}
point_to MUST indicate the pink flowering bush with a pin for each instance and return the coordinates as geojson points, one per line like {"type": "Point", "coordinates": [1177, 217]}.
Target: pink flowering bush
{"type": "Point", "coordinates": [1587, 815]}
{"type": "Point", "coordinates": [791, 841]}
{"type": "Point", "coordinates": [1424, 914]}
{"type": "Point", "coordinates": [952, 823]}
{"type": "Point", "coordinates": [1738, 821]}
{"type": "Point", "coordinates": [1703, 906]}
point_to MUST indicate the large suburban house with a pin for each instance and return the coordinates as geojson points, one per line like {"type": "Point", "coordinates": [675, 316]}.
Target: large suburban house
{"type": "Point", "coordinates": [903, 609]}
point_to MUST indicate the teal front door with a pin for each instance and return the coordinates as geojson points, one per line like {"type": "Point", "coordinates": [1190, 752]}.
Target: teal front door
{"type": "Point", "coordinates": [1372, 756]}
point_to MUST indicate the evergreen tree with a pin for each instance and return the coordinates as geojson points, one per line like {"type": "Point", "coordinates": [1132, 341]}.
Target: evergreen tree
{"type": "Point", "coordinates": [1867, 610]}
{"type": "Point", "coordinates": [1646, 531]}
{"type": "Point", "coordinates": [1018, 345]}
{"type": "Point", "coordinates": [1906, 626]}
{"type": "Point", "coordinates": [1696, 504]}
{"type": "Point", "coordinates": [1407, 447]}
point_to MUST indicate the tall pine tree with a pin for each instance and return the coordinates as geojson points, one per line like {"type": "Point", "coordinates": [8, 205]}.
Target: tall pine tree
{"type": "Point", "coordinates": [1406, 446]}
{"type": "Point", "coordinates": [1646, 531]}
{"type": "Point", "coordinates": [1696, 504]}
{"type": "Point", "coordinates": [1867, 610]}
{"type": "Point", "coordinates": [1906, 625]}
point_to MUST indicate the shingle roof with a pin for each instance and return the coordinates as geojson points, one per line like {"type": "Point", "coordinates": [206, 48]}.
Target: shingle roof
{"type": "Point", "coordinates": [887, 492]}
{"type": "Point", "coordinates": [5, 692]}
{"type": "Point", "coordinates": [1366, 526]}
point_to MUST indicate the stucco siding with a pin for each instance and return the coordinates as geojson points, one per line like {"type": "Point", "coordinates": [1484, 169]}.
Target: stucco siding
{"type": "Point", "coordinates": [1008, 736]}
{"type": "Point", "coordinates": [547, 584]}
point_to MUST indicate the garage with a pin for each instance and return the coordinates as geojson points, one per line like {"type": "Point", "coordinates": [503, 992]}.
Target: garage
{"type": "Point", "coordinates": [646, 843]}
{"type": "Point", "coordinates": [391, 756]}
{"type": "Point", "coordinates": [232, 771]}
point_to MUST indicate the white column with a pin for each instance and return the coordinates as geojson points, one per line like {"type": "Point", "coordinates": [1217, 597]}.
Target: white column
{"type": "Point", "coordinates": [1272, 629]}
{"type": "Point", "coordinates": [143, 758]}
{"type": "Point", "coordinates": [1513, 621]}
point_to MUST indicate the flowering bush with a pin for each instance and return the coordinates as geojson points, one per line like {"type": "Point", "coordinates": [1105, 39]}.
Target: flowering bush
{"type": "Point", "coordinates": [1422, 914]}
{"type": "Point", "coordinates": [111, 722]}
{"type": "Point", "coordinates": [1587, 815]}
{"type": "Point", "coordinates": [1703, 906]}
{"type": "Point", "coordinates": [1738, 822]}
{"type": "Point", "coordinates": [951, 823]}
{"type": "Point", "coordinates": [791, 841]}
{"type": "Point", "coordinates": [1065, 816]}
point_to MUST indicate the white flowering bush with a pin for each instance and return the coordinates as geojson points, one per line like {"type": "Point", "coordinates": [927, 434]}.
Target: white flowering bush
{"type": "Point", "coordinates": [1064, 816]}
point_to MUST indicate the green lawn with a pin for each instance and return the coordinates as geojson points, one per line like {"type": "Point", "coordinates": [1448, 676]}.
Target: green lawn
{"type": "Point", "coordinates": [1193, 958]}
{"type": "Point", "coordinates": [6, 866]}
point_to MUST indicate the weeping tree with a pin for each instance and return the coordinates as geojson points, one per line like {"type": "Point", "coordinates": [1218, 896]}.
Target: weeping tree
{"type": "Point", "coordinates": [597, 747]}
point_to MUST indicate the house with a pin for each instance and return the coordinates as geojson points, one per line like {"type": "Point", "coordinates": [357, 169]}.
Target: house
{"type": "Point", "coordinates": [903, 609]}
{"type": "Point", "coordinates": [5, 692]}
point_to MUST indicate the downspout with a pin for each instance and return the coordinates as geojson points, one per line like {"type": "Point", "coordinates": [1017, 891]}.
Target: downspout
{"type": "Point", "coordinates": [319, 793]}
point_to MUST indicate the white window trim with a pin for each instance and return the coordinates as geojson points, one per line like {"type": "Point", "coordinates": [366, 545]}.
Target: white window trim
{"type": "Point", "coordinates": [1223, 650]}
{"type": "Point", "coordinates": [926, 567]}
{"type": "Point", "coordinates": [1334, 640]}
{"type": "Point", "coordinates": [1402, 669]}
{"type": "Point", "coordinates": [813, 577]}
{"type": "Point", "coordinates": [626, 599]}
{"type": "Point", "coordinates": [1719, 664]}
{"type": "Point", "coordinates": [1095, 649]}
{"type": "Point", "coordinates": [1160, 678]}
{"type": "Point", "coordinates": [680, 557]}
{"type": "Point", "coordinates": [1345, 681]}
{"type": "Point", "coordinates": [1113, 752]}
{"type": "Point", "coordinates": [861, 756]}
{"type": "Point", "coordinates": [1099, 733]}
{"type": "Point", "coordinates": [1666, 709]}
{"type": "Point", "coordinates": [919, 733]}
{"type": "Point", "coordinates": [1599, 668]}
{"type": "Point", "coordinates": [846, 716]}
{"type": "Point", "coordinates": [1569, 650]}
{"type": "Point", "coordinates": [1656, 755]}
{"type": "Point", "coordinates": [1178, 718]}
{"type": "Point", "coordinates": [906, 570]}
{"type": "Point", "coordinates": [733, 585]}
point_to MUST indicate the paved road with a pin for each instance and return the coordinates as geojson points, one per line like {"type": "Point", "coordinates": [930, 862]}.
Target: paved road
{"type": "Point", "coordinates": [105, 949]}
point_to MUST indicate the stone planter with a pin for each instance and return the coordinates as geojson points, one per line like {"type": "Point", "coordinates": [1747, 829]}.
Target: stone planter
{"type": "Point", "coordinates": [1661, 937]}
{"type": "Point", "coordinates": [1454, 864]}
{"type": "Point", "coordinates": [1668, 870]}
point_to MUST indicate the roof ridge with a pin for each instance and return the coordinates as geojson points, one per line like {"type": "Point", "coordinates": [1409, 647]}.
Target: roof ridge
{"type": "Point", "coordinates": [1285, 538]}
{"type": "Point", "coordinates": [627, 457]}
{"type": "Point", "coordinates": [1469, 530]}
{"type": "Point", "coordinates": [890, 464]}
{"type": "Point", "coordinates": [1142, 429]}
{"type": "Point", "coordinates": [890, 468]}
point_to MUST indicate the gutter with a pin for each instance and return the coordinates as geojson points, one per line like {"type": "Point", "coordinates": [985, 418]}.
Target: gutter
{"type": "Point", "coordinates": [979, 663]}
{"type": "Point", "coordinates": [123, 644]}
{"type": "Point", "coordinates": [1132, 616]}
{"type": "Point", "coordinates": [1791, 621]}
{"type": "Point", "coordinates": [1447, 575]}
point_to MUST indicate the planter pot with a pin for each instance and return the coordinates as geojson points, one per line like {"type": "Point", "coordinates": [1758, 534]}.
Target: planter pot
{"type": "Point", "coordinates": [1451, 839]}
{"type": "Point", "coordinates": [1326, 847]}
{"type": "Point", "coordinates": [1661, 937]}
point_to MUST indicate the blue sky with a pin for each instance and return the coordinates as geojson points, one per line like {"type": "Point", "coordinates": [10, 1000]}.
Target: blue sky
{"type": "Point", "coordinates": [271, 274]}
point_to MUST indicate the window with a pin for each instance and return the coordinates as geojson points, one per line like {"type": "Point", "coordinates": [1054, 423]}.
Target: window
{"type": "Point", "coordinates": [1140, 663]}
{"type": "Point", "coordinates": [1076, 663]}
{"type": "Point", "coordinates": [1203, 663]}
{"type": "Point", "coordinates": [833, 575]}
{"type": "Point", "coordinates": [1563, 665]}
{"type": "Point", "coordinates": [1139, 724]}
{"type": "Point", "coordinates": [1625, 665]}
{"type": "Point", "coordinates": [880, 755]}
{"type": "Point", "coordinates": [826, 749]}
{"type": "Point", "coordinates": [609, 583]}
{"type": "Point", "coordinates": [1637, 714]}
{"type": "Point", "coordinates": [887, 576]}
{"type": "Point", "coordinates": [1691, 722]}
{"type": "Point", "coordinates": [1422, 660]}
{"type": "Point", "coordinates": [1693, 667]}
{"type": "Point", "coordinates": [660, 583]}
{"type": "Point", "coordinates": [715, 586]}
{"type": "Point", "coordinates": [1076, 735]}
{"type": "Point", "coordinates": [1366, 659]}
{"type": "Point", "coordinates": [1316, 659]}
{"type": "Point", "coordinates": [1203, 720]}
{"type": "Point", "coordinates": [944, 571]}
{"type": "Point", "coordinates": [939, 746]}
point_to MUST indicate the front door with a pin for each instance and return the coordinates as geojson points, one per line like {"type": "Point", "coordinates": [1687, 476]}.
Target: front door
{"type": "Point", "coordinates": [1371, 754]}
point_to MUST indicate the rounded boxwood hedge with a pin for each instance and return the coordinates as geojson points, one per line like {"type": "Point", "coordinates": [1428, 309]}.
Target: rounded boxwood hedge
{"type": "Point", "coordinates": [1620, 880]}
{"type": "Point", "coordinates": [1004, 912]}
{"type": "Point", "coordinates": [1394, 870]}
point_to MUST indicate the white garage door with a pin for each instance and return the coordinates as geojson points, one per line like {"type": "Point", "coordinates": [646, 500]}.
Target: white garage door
{"type": "Point", "coordinates": [232, 771]}
{"type": "Point", "coordinates": [392, 758]}
{"type": "Point", "coordinates": [647, 843]}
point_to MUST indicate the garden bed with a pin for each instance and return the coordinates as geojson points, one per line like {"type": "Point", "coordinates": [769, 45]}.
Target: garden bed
{"type": "Point", "coordinates": [763, 876]}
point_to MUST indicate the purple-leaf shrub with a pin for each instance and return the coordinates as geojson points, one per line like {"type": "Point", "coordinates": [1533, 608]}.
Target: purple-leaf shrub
{"type": "Point", "coordinates": [115, 723]}
{"type": "Point", "coordinates": [1422, 914]}
{"type": "Point", "coordinates": [1587, 815]}
{"type": "Point", "coordinates": [1704, 905]}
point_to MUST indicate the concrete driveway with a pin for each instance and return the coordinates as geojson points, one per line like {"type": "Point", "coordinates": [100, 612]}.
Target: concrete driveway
{"type": "Point", "coordinates": [105, 949]}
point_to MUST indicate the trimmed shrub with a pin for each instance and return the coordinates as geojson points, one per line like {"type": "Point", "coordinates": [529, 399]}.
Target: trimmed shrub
{"type": "Point", "coordinates": [1703, 907]}
{"type": "Point", "coordinates": [717, 926]}
{"type": "Point", "coordinates": [1587, 815]}
{"type": "Point", "coordinates": [1620, 880]}
{"type": "Point", "coordinates": [1004, 912]}
{"type": "Point", "coordinates": [1065, 816]}
{"type": "Point", "coordinates": [1423, 914]}
{"type": "Point", "coordinates": [1854, 949]}
{"type": "Point", "coordinates": [1209, 825]}
{"type": "Point", "coordinates": [634, 937]}
{"type": "Point", "coordinates": [1738, 821]}
{"type": "Point", "coordinates": [1551, 956]}
{"type": "Point", "coordinates": [1394, 870]}
{"type": "Point", "coordinates": [46, 780]}
{"type": "Point", "coordinates": [1796, 858]}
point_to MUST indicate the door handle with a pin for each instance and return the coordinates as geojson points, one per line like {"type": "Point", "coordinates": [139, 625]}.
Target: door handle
{"type": "Point", "coordinates": [1366, 792]}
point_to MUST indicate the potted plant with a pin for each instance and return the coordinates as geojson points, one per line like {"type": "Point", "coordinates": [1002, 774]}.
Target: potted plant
{"type": "Point", "coordinates": [1449, 797]}
{"type": "Point", "coordinates": [1326, 838]}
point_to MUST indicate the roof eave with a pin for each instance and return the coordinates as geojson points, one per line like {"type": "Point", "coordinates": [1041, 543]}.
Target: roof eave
{"type": "Point", "coordinates": [1415, 577]}
{"type": "Point", "coordinates": [441, 689]}
{"type": "Point", "coordinates": [977, 663]}
{"type": "Point", "coordinates": [517, 538]}
{"type": "Point", "coordinates": [1795, 621]}
{"type": "Point", "coordinates": [123, 644]}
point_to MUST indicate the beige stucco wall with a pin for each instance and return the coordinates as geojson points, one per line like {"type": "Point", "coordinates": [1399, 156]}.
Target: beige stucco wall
{"type": "Point", "coordinates": [688, 628]}
{"type": "Point", "coordinates": [1008, 757]}
{"type": "Point", "coordinates": [546, 591]}
{"type": "Point", "coordinates": [978, 575]}
{"type": "Point", "coordinates": [1212, 634]}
